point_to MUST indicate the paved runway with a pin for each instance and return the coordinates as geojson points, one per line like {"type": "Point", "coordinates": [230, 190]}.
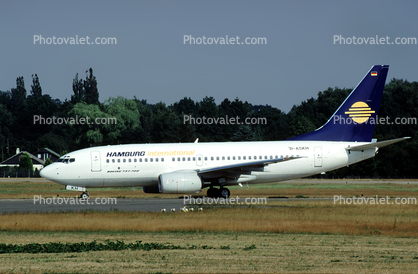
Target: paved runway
{"type": "Point", "coordinates": [8, 206]}
{"type": "Point", "coordinates": [76, 204]}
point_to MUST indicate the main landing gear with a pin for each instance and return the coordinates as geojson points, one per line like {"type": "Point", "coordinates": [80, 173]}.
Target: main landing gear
{"type": "Point", "coordinates": [222, 192]}
{"type": "Point", "coordinates": [84, 195]}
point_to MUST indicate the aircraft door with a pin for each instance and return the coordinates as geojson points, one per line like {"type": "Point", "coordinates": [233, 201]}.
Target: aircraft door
{"type": "Point", "coordinates": [199, 160]}
{"type": "Point", "coordinates": [317, 157]}
{"type": "Point", "coordinates": [95, 161]}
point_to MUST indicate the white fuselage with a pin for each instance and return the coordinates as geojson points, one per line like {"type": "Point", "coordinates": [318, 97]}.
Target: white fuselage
{"type": "Point", "coordinates": [141, 164]}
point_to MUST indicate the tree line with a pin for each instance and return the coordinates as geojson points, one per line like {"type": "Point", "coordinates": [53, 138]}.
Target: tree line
{"type": "Point", "coordinates": [141, 122]}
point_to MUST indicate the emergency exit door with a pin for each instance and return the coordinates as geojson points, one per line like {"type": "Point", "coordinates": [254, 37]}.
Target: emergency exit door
{"type": "Point", "coordinates": [318, 156]}
{"type": "Point", "coordinates": [95, 161]}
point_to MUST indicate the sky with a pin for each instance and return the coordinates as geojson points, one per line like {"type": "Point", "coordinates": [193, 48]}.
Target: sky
{"type": "Point", "coordinates": [150, 59]}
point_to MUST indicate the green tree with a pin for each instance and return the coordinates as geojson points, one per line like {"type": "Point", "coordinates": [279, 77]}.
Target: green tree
{"type": "Point", "coordinates": [87, 134]}
{"type": "Point", "coordinates": [18, 97]}
{"type": "Point", "coordinates": [78, 89]}
{"type": "Point", "coordinates": [85, 90]}
{"type": "Point", "coordinates": [208, 132]}
{"type": "Point", "coordinates": [300, 125]}
{"type": "Point", "coordinates": [243, 134]}
{"type": "Point", "coordinates": [47, 162]}
{"type": "Point", "coordinates": [126, 113]}
{"type": "Point", "coordinates": [25, 162]}
{"type": "Point", "coordinates": [90, 88]}
{"type": "Point", "coordinates": [115, 122]}
{"type": "Point", "coordinates": [36, 90]}
{"type": "Point", "coordinates": [165, 125]}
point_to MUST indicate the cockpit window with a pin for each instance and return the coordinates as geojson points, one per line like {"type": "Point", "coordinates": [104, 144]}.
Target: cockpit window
{"type": "Point", "coordinates": [66, 160]}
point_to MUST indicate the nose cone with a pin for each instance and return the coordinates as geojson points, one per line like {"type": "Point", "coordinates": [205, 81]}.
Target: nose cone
{"type": "Point", "coordinates": [47, 172]}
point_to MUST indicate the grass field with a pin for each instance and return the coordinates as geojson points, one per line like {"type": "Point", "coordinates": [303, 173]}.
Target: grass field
{"type": "Point", "coordinates": [292, 236]}
{"type": "Point", "coordinates": [288, 217]}
{"type": "Point", "coordinates": [220, 253]}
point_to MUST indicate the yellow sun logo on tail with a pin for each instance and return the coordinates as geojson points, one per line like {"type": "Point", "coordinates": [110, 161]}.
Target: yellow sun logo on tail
{"type": "Point", "coordinates": [360, 112]}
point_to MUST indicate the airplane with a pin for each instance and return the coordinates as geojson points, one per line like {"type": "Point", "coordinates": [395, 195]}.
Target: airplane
{"type": "Point", "coordinates": [185, 168]}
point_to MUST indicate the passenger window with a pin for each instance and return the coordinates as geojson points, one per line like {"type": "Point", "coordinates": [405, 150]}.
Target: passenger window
{"type": "Point", "coordinates": [124, 160]}
{"type": "Point", "coordinates": [113, 160]}
{"type": "Point", "coordinates": [178, 159]}
{"type": "Point", "coordinates": [162, 159]}
{"type": "Point", "coordinates": [184, 159]}
{"type": "Point", "coordinates": [188, 159]}
{"type": "Point", "coordinates": [118, 160]}
{"type": "Point", "coordinates": [156, 159]}
{"type": "Point", "coordinates": [217, 158]}
{"type": "Point", "coordinates": [140, 160]}
{"type": "Point", "coordinates": [211, 158]}
{"type": "Point", "coordinates": [206, 158]}
{"type": "Point", "coordinates": [135, 160]}
{"type": "Point", "coordinates": [194, 159]}
{"type": "Point", "coordinates": [233, 157]}
{"type": "Point", "coordinates": [174, 159]}
{"type": "Point", "coordinates": [129, 160]}
{"type": "Point", "coordinates": [107, 160]}
{"type": "Point", "coordinates": [229, 158]}
{"type": "Point", "coordinates": [249, 157]}
{"type": "Point", "coordinates": [223, 158]}
{"type": "Point", "coordinates": [146, 159]}
{"type": "Point", "coordinates": [151, 159]}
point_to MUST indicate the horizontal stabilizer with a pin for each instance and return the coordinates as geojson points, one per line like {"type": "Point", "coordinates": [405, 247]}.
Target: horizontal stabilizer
{"type": "Point", "coordinates": [377, 144]}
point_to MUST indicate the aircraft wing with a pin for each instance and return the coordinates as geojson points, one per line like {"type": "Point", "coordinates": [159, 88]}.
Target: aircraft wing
{"type": "Point", "coordinates": [254, 164]}
{"type": "Point", "coordinates": [376, 145]}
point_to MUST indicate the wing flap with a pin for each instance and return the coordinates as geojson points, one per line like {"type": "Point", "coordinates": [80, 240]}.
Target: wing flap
{"type": "Point", "coordinates": [255, 164]}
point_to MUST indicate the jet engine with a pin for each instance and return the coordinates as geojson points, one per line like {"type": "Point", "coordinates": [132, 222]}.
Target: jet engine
{"type": "Point", "coordinates": [180, 182]}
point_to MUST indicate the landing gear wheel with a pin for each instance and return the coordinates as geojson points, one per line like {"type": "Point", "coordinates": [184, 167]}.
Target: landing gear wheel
{"type": "Point", "coordinates": [84, 196]}
{"type": "Point", "coordinates": [224, 193]}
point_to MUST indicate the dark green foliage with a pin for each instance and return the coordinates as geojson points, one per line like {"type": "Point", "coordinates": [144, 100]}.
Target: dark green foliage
{"type": "Point", "coordinates": [47, 162]}
{"type": "Point", "coordinates": [82, 247]}
{"type": "Point", "coordinates": [250, 247]}
{"type": "Point", "coordinates": [244, 133]}
{"type": "Point", "coordinates": [25, 162]}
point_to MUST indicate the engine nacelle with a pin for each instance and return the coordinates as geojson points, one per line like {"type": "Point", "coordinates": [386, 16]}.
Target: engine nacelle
{"type": "Point", "coordinates": [180, 182]}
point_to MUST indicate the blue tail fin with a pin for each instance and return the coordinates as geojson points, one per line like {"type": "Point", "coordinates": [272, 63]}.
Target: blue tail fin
{"type": "Point", "coordinates": [355, 119]}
